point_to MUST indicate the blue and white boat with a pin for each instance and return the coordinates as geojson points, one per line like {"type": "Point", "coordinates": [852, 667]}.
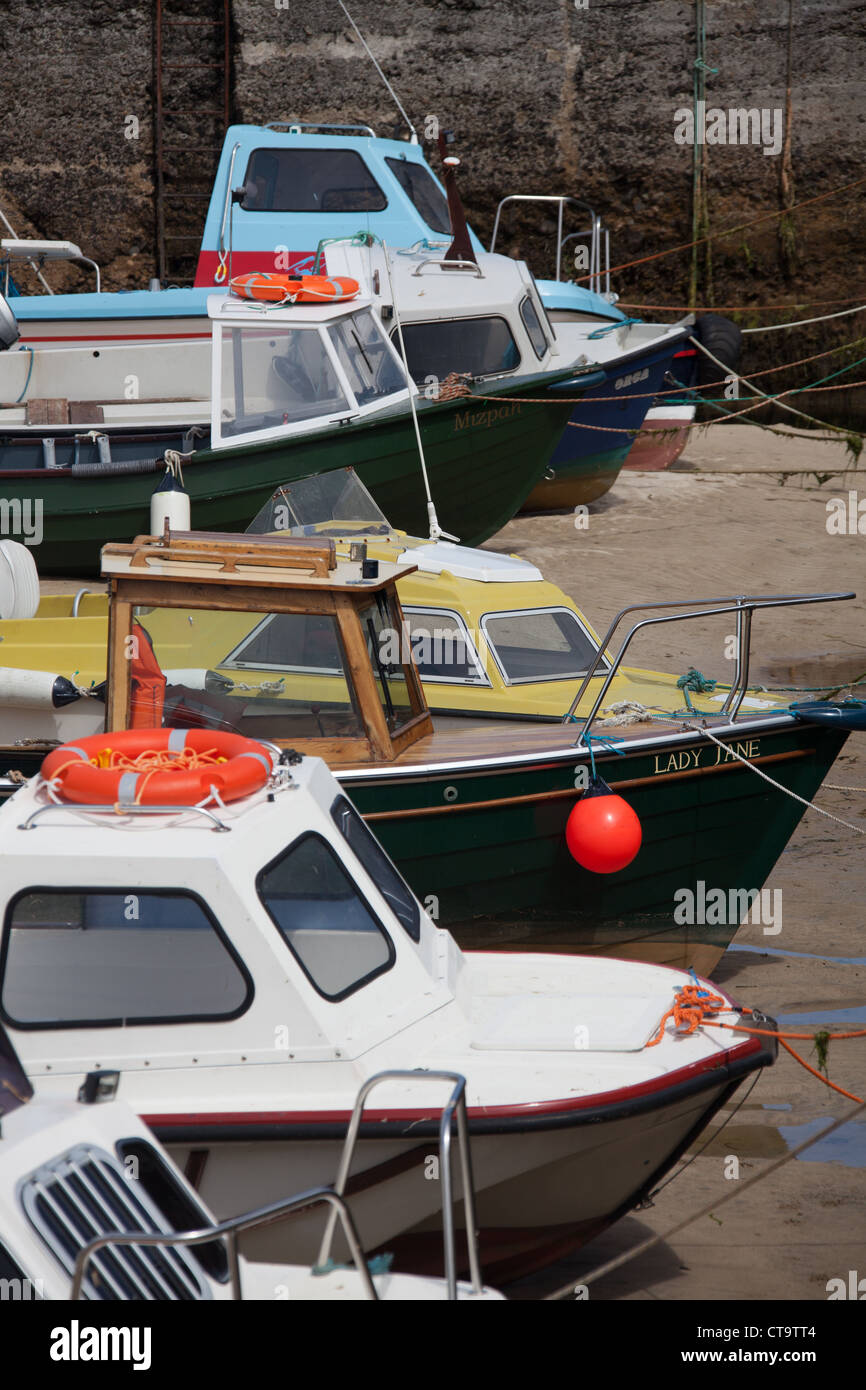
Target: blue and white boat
{"type": "Point", "coordinates": [283, 190]}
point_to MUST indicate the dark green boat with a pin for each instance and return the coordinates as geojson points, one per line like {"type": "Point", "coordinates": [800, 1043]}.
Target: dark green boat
{"type": "Point", "coordinates": [298, 391]}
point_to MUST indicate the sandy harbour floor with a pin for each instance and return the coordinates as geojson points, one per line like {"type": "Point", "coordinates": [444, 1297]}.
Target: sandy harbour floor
{"type": "Point", "coordinates": [745, 511]}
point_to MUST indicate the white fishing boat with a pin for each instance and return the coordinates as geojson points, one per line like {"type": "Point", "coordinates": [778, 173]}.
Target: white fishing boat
{"type": "Point", "coordinates": [248, 965]}
{"type": "Point", "coordinates": [92, 1206]}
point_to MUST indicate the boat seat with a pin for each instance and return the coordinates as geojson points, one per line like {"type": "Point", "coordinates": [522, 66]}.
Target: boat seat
{"type": "Point", "coordinates": [57, 410]}
{"type": "Point", "coordinates": [47, 410]}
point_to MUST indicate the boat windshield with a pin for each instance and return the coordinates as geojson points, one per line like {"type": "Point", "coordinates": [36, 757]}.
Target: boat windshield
{"type": "Point", "coordinates": [278, 676]}
{"type": "Point", "coordinates": [323, 504]}
{"type": "Point", "coordinates": [365, 357]}
{"type": "Point", "coordinates": [301, 180]}
{"type": "Point", "coordinates": [15, 1089]}
{"type": "Point", "coordinates": [420, 187]}
{"type": "Point", "coordinates": [387, 644]}
{"type": "Point", "coordinates": [476, 346]}
{"type": "Point", "coordinates": [539, 644]}
{"type": "Point", "coordinates": [276, 375]}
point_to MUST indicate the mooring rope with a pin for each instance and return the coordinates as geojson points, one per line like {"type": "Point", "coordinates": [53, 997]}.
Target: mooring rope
{"type": "Point", "coordinates": [730, 231]}
{"type": "Point", "coordinates": [810, 805]}
{"type": "Point", "coordinates": [798, 323]}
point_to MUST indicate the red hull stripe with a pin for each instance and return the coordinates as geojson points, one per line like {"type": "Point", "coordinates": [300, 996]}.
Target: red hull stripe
{"type": "Point", "coordinates": [527, 1110]}
{"type": "Point", "coordinates": [116, 337]}
{"type": "Point", "coordinates": [270, 259]}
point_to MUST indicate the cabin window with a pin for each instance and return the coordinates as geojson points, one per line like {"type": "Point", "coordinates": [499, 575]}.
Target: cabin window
{"type": "Point", "coordinates": [296, 180]}
{"type": "Point", "coordinates": [531, 323]}
{"type": "Point", "coordinates": [539, 644]}
{"type": "Point", "coordinates": [394, 889]}
{"type": "Point", "coordinates": [389, 657]}
{"type": "Point", "coordinates": [479, 347]}
{"type": "Point", "coordinates": [274, 675]}
{"type": "Point", "coordinates": [442, 648]}
{"type": "Point", "coordinates": [276, 376]}
{"type": "Point", "coordinates": [326, 924]}
{"type": "Point", "coordinates": [78, 958]}
{"type": "Point", "coordinates": [366, 358]}
{"type": "Point", "coordinates": [423, 192]}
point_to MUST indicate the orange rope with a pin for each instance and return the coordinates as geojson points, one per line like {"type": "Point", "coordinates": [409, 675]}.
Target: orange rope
{"type": "Point", "coordinates": [151, 761]}
{"type": "Point", "coordinates": [688, 1009]}
{"type": "Point", "coordinates": [161, 760]}
{"type": "Point", "coordinates": [826, 1080]}
{"type": "Point", "coordinates": [692, 1004]}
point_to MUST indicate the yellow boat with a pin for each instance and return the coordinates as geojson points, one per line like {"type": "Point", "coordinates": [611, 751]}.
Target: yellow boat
{"type": "Point", "coordinates": [489, 634]}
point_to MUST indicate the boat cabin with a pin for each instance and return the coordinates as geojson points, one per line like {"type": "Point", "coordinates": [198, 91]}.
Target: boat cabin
{"type": "Point", "coordinates": [270, 637]}
{"type": "Point", "coordinates": [261, 372]}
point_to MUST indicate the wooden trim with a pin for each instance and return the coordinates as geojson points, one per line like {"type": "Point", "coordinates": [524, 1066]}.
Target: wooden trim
{"type": "Point", "coordinates": [317, 555]}
{"type": "Point", "coordinates": [362, 679]}
{"type": "Point", "coordinates": [119, 666]}
{"type": "Point", "coordinates": [420, 726]}
{"type": "Point", "coordinates": [334, 751]}
{"type": "Point", "coordinates": [574, 793]}
{"type": "Point", "coordinates": [150, 592]}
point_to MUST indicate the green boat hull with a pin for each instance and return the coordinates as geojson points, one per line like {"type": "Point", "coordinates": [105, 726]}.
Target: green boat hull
{"type": "Point", "coordinates": [499, 874]}
{"type": "Point", "coordinates": [483, 458]}
{"type": "Point", "coordinates": [578, 481]}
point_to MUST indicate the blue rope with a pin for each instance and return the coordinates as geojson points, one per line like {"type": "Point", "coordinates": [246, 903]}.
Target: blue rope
{"type": "Point", "coordinates": [29, 371]}
{"type": "Point", "coordinates": [611, 327]}
{"type": "Point", "coordinates": [608, 741]}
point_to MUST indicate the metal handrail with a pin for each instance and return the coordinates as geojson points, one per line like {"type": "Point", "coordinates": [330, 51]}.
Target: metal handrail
{"type": "Point", "coordinates": [456, 1104]}
{"type": "Point", "coordinates": [595, 271]}
{"type": "Point", "coordinates": [744, 605]}
{"type": "Point", "coordinates": [298, 126]}
{"type": "Point", "coordinates": [262, 1216]}
{"type": "Point", "coordinates": [76, 602]}
{"type": "Point", "coordinates": [449, 265]}
{"type": "Point", "coordinates": [123, 810]}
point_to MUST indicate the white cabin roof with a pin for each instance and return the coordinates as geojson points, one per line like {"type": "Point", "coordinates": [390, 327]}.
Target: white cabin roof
{"type": "Point", "coordinates": [231, 308]}
{"type": "Point", "coordinates": [466, 562]}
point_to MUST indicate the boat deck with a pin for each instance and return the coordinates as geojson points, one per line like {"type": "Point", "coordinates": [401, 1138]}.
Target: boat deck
{"type": "Point", "coordinates": [455, 739]}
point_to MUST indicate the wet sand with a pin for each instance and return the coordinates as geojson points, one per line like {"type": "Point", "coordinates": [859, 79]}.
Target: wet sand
{"type": "Point", "coordinates": [746, 511]}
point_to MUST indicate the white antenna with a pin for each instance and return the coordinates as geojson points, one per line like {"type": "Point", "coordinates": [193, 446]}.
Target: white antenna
{"type": "Point", "coordinates": [394, 95]}
{"type": "Point", "coordinates": [436, 531]}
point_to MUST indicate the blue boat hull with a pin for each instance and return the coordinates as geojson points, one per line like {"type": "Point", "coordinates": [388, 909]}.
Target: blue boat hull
{"type": "Point", "coordinates": [594, 445]}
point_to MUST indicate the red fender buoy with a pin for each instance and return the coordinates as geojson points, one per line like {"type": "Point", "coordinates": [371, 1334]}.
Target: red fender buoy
{"type": "Point", "coordinates": [603, 832]}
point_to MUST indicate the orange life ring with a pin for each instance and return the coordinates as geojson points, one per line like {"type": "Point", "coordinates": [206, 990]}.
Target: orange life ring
{"type": "Point", "coordinates": [157, 767]}
{"type": "Point", "coordinates": [284, 289]}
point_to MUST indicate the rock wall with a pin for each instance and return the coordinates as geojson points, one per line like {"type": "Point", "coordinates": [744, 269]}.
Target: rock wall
{"type": "Point", "coordinates": [544, 96]}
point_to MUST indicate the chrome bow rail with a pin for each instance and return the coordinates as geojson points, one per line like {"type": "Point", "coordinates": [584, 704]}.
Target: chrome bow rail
{"type": "Point", "coordinates": [455, 1105]}
{"type": "Point", "coordinates": [333, 1196]}
{"type": "Point", "coordinates": [598, 272]}
{"type": "Point", "coordinates": [122, 809]}
{"type": "Point", "coordinates": [230, 1230]}
{"type": "Point", "coordinates": [743, 605]}
{"type": "Point", "coordinates": [323, 127]}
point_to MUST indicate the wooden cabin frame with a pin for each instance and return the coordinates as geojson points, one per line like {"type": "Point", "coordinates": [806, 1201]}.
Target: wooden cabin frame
{"type": "Point", "coordinates": [212, 571]}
